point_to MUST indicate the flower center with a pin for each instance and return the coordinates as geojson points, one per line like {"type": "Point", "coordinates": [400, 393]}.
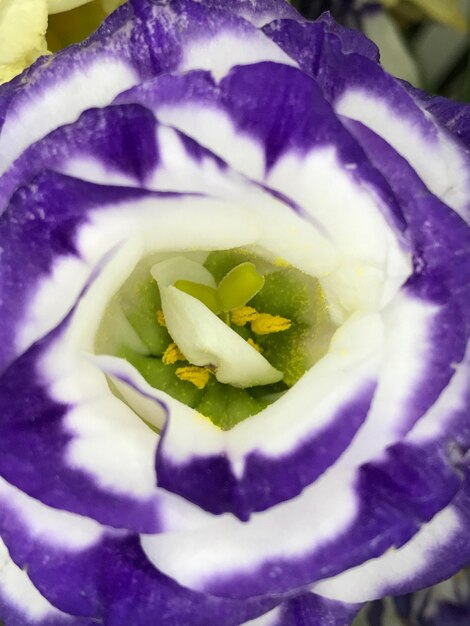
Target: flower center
{"type": "Point", "coordinates": [226, 333]}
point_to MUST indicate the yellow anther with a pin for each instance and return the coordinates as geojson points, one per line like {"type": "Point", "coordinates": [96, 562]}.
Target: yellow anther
{"type": "Point", "coordinates": [243, 315]}
{"type": "Point", "coordinates": [280, 262]}
{"type": "Point", "coordinates": [161, 318]}
{"type": "Point", "coordinates": [172, 354]}
{"type": "Point", "coordinates": [265, 324]}
{"type": "Point", "coordinates": [198, 376]}
{"type": "Point", "coordinates": [254, 345]}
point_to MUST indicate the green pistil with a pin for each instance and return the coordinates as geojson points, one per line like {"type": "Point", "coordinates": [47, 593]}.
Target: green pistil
{"type": "Point", "coordinates": [236, 288]}
{"type": "Point", "coordinates": [207, 295]}
{"type": "Point", "coordinates": [239, 286]}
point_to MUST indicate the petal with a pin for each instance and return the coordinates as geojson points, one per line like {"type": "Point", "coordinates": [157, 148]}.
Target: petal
{"type": "Point", "coordinates": [287, 146]}
{"type": "Point", "coordinates": [110, 62]}
{"type": "Point", "coordinates": [56, 548]}
{"type": "Point", "coordinates": [358, 88]}
{"type": "Point", "coordinates": [311, 43]}
{"type": "Point", "coordinates": [453, 115]}
{"type": "Point", "coordinates": [268, 459]}
{"type": "Point", "coordinates": [119, 55]}
{"type": "Point", "coordinates": [80, 566]}
{"type": "Point", "coordinates": [20, 602]}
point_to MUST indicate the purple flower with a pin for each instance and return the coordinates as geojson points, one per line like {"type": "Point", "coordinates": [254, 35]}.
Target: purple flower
{"type": "Point", "coordinates": [186, 129]}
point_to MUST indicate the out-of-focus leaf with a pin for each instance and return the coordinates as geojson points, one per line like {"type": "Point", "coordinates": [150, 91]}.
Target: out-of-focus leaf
{"type": "Point", "coordinates": [446, 12]}
{"type": "Point", "coordinates": [394, 54]}
{"type": "Point", "coordinates": [58, 6]}
{"type": "Point", "coordinates": [73, 26]}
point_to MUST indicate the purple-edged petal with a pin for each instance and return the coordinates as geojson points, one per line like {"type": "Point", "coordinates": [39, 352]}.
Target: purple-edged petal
{"type": "Point", "coordinates": [135, 592]}
{"type": "Point", "coordinates": [358, 88]}
{"type": "Point", "coordinates": [80, 567]}
{"type": "Point", "coordinates": [440, 547]}
{"type": "Point", "coordinates": [310, 43]}
{"type": "Point", "coordinates": [310, 609]}
{"type": "Point", "coordinates": [245, 470]}
{"type": "Point", "coordinates": [297, 147]}
{"type": "Point", "coordinates": [102, 140]}
{"type": "Point", "coordinates": [59, 550]}
{"type": "Point", "coordinates": [388, 502]}
{"type": "Point", "coordinates": [122, 53]}
{"type": "Point", "coordinates": [113, 59]}
{"type": "Point", "coordinates": [455, 116]}
{"type": "Point", "coordinates": [21, 604]}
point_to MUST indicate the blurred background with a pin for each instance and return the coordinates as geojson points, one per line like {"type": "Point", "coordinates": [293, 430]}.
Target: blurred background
{"type": "Point", "coordinates": [425, 42]}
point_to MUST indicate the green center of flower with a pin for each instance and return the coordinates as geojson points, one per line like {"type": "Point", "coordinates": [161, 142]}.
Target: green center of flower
{"type": "Point", "coordinates": [227, 336]}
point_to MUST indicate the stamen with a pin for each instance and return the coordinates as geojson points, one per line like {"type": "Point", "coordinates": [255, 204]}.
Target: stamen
{"type": "Point", "coordinates": [161, 318]}
{"type": "Point", "coordinates": [172, 354]}
{"type": "Point", "coordinates": [254, 345]}
{"type": "Point", "coordinates": [243, 315]}
{"type": "Point", "coordinates": [198, 376]}
{"type": "Point", "coordinates": [265, 324]}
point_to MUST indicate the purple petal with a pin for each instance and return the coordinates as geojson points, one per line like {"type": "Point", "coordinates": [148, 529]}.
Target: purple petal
{"type": "Point", "coordinates": [358, 87]}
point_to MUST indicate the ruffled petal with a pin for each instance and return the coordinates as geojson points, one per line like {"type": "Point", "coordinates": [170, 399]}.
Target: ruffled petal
{"type": "Point", "coordinates": [292, 143]}
{"type": "Point", "coordinates": [120, 55]}
{"type": "Point", "coordinates": [358, 88]}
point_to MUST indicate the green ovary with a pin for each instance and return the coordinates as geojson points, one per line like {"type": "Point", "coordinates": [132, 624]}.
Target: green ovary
{"type": "Point", "coordinates": [243, 280]}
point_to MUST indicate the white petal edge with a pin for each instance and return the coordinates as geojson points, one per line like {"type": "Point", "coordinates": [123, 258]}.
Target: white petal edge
{"type": "Point", "coordinates": [219, 52]}
{"type": "Point", "coordinates": [435, 155]}
{"type": "Point", "coordinates": [370, 580]}
{"type": "Point", "coordinates": [67, 97]}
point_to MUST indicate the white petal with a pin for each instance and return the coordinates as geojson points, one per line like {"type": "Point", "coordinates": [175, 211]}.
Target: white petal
{"type": "Point", "coordinates": [368, 581]}
{"type": "Point", "coordinates": [205, 339]}
{"type": "Point", "coordinates": [168, 272]}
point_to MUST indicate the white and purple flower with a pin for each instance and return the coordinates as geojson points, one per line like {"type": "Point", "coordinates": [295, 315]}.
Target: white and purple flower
{"type": "Point", "coordinates": [186, 129]}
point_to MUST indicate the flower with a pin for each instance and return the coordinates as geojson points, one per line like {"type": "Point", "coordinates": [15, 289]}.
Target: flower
{"type": "Point", "coordinates": [24, 25]}
{"type": "Point", "coordinates": [192, 178]}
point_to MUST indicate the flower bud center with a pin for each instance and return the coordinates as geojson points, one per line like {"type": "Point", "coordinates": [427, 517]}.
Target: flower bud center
{"type": "Point", "coordinates": [226, 334]}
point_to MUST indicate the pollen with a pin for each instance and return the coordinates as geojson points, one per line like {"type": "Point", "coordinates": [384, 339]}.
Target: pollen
{"type": "Point", "coordinates": [265, 324]}
{"type": "Point", "coordinates": [172, 354]}
{"type": "Point", "coordinates": [198, 376]}
{"type": "Point", "coordinates": [161, 318]}
{"type": "Point", "coordinates": [243, 315]}
{"type": "Point", "coordinates": [280, 262]}
{"type": "Point", "coordinates": [254, 345]}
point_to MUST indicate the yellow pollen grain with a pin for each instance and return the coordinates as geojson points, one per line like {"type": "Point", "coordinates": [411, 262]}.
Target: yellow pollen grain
{"type": "Point", "coordinates": [243, 315]}
{"type": "Point", "coordinates": [172, 354]}
{"type": "Point", "coordinates": [254, 345]}
{"type": "Point", "coordinates": [161, 318]}
{"type": "Point", "coordinates": [265, 324]}
{"type": "Point", "coordinates": [280, 262]}
{"type": "Point", "coordinates": [198, 376]}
